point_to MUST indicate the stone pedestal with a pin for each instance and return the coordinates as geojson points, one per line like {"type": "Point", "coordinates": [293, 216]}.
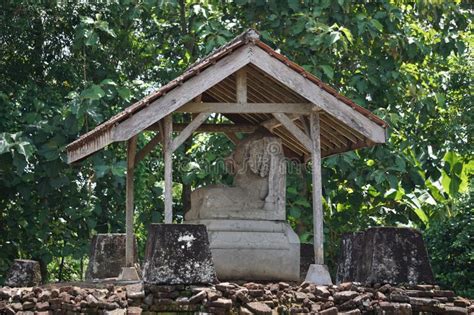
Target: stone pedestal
{"type": "Point", "coordinates": [253, 249]}
{"type": "Point", "coordinates": [178, 254]}
{"type": "Point", "coordinates": [107, 256]}
{"type": "Point", "coordinates": [24, 273]}
{"type": "Point", "coordinates": [248, 233]}
{"type": "Point", "coordinates": [384, 255]}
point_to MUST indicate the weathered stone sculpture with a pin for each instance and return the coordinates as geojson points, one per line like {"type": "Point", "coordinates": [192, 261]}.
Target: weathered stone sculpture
{"type": "Point", "coordinates": [384, 255]}
{"type": "Point", "coordinates": [107, 256]}
{"type": "Point", "coordinates": [178, 254]}
{"type": "Point", "coordinates": [259, 185]}
{"type": "Point", "coordinates": [23, 273]}
{"type": "Point", "coordinates": [248, 233]}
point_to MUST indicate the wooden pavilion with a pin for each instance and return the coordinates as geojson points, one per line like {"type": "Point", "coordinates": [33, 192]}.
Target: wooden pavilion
{"type": "Point", "coordinates": [253, 86]}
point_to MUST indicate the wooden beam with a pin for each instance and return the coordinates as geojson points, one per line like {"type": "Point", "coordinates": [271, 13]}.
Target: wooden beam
{"type": "Point", "coordinates": [294, 130]}
{"type": "Point", "coordinates": [245, 128]}
{"type": "Point", "coordinates": [322, 99]}
{"type": "Point", "coordinates": [181, 95]}
{"type": "Point", "coordinates": [241, 86]}
{"type": "Point", "coordinates": [188, 131]}
{"type": "Point", "coordinates": [232, 137]}
{"type": "Point", "coordinates": [317, 190]}
{"type": "Point", "coordinates": [167, 150]}
{"type": "Point", "coordinates": [158, 138]}
{"type": "Point", "coordinates": [129, 233]}
{"type": "Point", "coordinates": [236, 108]}
{"type": "Point", "coordinates": [225, 98]}
{"type": "Point", "coordinates": [275, 123]}
{"type": "Point", "coordinates": [306, 125]}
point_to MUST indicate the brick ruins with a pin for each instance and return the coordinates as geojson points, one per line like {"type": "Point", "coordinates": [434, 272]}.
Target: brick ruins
{"type": "Point", "coordinates": [232, 298]}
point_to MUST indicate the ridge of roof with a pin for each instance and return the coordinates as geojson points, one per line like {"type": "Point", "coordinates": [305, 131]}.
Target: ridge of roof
{"type": "Point", "coordinates": [250, 35]}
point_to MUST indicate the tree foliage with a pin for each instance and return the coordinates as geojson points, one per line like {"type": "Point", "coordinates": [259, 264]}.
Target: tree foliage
{"type": "Point", "coordinates": [451, 247]}
{"type": "Point", "coordinates": [67, 66]}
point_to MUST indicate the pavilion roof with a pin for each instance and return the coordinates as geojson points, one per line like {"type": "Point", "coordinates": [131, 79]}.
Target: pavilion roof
{"type": "Point", "coordinates": [345, 125]}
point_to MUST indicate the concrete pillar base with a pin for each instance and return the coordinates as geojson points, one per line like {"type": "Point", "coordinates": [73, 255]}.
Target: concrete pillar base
{"type": "Point", "coordinates": [129, 274]}
{"type": "Point", "coordinates": [178, 254]}
{"type": "Point", "coordinates": [107, 256]}
{"type": "Point", "coordinates": [318, 274]}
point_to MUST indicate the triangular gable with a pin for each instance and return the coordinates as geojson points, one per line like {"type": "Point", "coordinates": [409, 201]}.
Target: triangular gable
{"type": "Point", "coordinates": [245, 50]}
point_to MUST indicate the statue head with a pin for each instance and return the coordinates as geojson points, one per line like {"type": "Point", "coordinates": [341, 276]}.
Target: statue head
{"type": "Point", "coordinates": [253, 154]}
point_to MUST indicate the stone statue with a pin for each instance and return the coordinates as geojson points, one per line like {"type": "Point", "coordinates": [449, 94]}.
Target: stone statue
{"type": "Point", "coordinates": [258, 192]}
{"type": "Point", "coordinates": [246, 222]}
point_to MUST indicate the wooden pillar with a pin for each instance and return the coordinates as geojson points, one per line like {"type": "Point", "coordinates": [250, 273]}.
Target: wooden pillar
{"type": "Point", "coordinates": [129, 238]}
{"type": "Point", "coordinates": [168, 152]}
{"type": "Point", "coordinates": [317, 190]}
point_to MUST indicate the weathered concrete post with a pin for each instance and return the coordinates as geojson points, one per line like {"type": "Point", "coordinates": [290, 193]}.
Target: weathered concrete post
{"type": "Point", "coordinates": [318, 272]}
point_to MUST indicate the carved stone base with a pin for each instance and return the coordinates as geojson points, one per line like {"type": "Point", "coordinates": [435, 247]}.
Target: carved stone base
{"type": "Point", "coordinates": [253, 249]}
{"type": "Point", "coordinates": [318, 274]}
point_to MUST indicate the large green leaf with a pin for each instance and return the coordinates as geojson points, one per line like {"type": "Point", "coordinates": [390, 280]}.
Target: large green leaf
{"type": "Point", "coordinates": [94, 92]}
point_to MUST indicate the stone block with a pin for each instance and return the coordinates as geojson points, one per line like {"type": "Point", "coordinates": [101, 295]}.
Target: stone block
{"type": "Point", "coordinates": [107, 256]}
{"type": "Point", "coordinates": [259, 308]}
{"type": "Point", "coordinates": [178, 254]}
{"type": "Point", "coordinates": [253, 250]}
{"type": "Point", "coordinates": [384, 255]}
{"type": "Point", "coordinates": [23, 273]}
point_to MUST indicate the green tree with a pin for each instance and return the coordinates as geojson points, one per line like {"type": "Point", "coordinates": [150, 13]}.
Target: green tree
{"type": "Point", "coordinates": [66, 67]}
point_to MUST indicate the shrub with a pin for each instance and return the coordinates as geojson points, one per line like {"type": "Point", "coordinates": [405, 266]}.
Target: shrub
{"type": "Point", "coordinates": [451, 248]}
